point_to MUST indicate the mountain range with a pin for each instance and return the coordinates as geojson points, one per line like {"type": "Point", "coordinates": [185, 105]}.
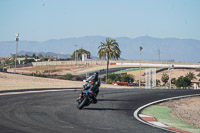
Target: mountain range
{"type": "Point", "coordinates": [185, 50]}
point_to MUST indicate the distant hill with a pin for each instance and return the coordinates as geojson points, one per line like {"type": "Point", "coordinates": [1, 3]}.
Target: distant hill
{"type": "Point", "coordinates": [170, 48]}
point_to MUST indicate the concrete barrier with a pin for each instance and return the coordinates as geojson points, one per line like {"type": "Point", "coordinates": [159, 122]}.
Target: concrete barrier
{"type": "Point", "coordinates": [120, 62]}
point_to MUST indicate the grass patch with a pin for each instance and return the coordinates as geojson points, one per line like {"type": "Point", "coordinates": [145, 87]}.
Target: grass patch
{"type": "Point", "coordinates": [162, 114]}
{"type": "Point", "coordinates": [129, 70]}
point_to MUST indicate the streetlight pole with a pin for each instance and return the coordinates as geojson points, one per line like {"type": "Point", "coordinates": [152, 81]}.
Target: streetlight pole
{"type": "Point", "coordinates": [170, 81]}
{"type": "Point", "coordinates": [17, 39]}
{"type": "Point", "coordinates": [140, 67]}
{"type": "Point", "coordinates": [75, 55]}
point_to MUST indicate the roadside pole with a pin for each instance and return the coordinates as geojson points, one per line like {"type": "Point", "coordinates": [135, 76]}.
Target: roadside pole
{"type": "Point", "coordinates": [75, 56]}
{"type": "Point", "coordinates": [140, 67]}
{"type": "Point", "coordinates": [17, 39]}
{"type": "Point", "coordinates": [170, 81]}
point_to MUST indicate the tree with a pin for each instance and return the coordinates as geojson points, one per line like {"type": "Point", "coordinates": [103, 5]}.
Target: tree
{"type": "Point", "coordinates": [165, 78]}
{"type": "Point", "coordinates": [79, 54]}
{"type": "Point", "coordinates": [34, 56]}
{"type": "Point", "coordinates": [40, 56]}
{"type": "Point", "coordinates": [26, 61]}
{"type": "Point", "coordinates": [191, 75]}
{"type": "Point", "coordinates": [109, 50]}
{"type": "Point", "coordinates": [183, 82]}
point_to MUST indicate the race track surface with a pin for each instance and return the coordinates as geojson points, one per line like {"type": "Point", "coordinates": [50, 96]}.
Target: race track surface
{"type": "Point", "coordinates": [56, 112]}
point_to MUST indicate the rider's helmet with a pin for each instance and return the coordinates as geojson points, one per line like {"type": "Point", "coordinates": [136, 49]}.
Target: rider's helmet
{"type": "Point", "coordinates": [96, 73]}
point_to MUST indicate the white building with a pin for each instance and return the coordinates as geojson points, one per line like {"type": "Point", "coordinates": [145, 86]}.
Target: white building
{"type": "Point", "coordinates": [84, 57]}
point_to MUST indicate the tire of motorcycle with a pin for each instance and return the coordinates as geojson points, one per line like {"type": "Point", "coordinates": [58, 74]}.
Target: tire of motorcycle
{"type": "Point", "coordinates": [83, 103]}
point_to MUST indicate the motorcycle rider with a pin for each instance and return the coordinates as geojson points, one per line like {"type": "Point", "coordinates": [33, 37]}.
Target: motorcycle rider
{"type": "Point", "coordinates": [92, 84]}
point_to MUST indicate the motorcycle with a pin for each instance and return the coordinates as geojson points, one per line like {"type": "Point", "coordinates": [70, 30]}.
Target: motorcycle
{"type": "Point", "coordinates": [89, 92]}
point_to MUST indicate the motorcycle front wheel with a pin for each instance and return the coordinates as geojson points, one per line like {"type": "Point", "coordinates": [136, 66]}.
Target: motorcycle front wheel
{"type": "Point", "coordinates": [83, 103]}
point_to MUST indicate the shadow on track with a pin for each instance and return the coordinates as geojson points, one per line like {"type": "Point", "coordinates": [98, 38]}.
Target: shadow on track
{"type": "Point", "coordinates": [103, 109]}
{"type": "Point", "coordinates": [113, 100]}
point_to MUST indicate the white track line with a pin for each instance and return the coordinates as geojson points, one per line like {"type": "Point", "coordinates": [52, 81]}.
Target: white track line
{"type": "Point", "coordinates": [36, 91]}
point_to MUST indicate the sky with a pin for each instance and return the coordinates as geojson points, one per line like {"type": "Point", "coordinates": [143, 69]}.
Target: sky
{"type": "Point", "coordinates": [41, 20]}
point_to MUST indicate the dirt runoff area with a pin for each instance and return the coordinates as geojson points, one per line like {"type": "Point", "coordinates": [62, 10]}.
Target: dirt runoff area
{"type": "Point", "coordinates": [186, 109]}
{"type": "Point", "coordinates": [16, 82]}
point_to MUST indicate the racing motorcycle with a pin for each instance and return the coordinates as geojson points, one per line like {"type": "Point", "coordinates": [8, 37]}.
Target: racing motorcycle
{"type": "Point", "coordinates": [89, 93]}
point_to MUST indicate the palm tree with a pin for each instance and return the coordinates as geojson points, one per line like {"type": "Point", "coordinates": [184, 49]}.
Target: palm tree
{"type": "Point", "coordinates": [191, 76]}
{"type": "Point", "coordinates": [109, 50]}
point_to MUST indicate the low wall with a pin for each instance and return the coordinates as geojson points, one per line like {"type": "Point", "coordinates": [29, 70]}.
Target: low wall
{"type": "Point", "coordinates": [21, 65]}
{"type": "Point", "coordinates": [92, 62]}
{"type": "Point", "coordinates": [120, 62]}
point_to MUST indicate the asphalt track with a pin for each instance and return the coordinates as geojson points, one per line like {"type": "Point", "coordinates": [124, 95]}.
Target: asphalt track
{"type": "Point", "coordinates": [56, 112]}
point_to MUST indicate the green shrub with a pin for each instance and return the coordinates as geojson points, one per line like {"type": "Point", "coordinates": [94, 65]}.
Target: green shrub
{"type": "Point", "coordinates": [157, 82]}
{"type": "Point", "coordinates": [127, 78]}
{"type": "Point", "coordinates": [110, 81]}
{"type": "Point", "coordinates": [113, 77]}
{"type": "Point", "coordinates": [183, 82]}
{"type": "Point", "coordinates": [38, 75]}
{"type": "Point", "coordinates": [68, 76]}
{"type": "Point", "coordinates": [121, 78]}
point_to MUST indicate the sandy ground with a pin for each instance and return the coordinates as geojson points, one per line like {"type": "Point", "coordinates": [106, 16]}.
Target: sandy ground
{"type": "Point", "coordinates": [13, 82]}
{"type": "Point", "coordinates": [186, 109]}
{"type": "Point", "coordinates": [177, 73]}
{"type": "Point", "coordinates": [81, 69]}
{"type": "Point", "coordinates": [59, 70]}
{"type": "Point", "coordinates": [174, 74]}
{"type": "Point", "coordinates": [62, 70]}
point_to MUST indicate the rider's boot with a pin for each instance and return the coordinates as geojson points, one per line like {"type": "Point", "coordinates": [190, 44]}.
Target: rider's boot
{"type": "Point", "coordinates": [94, 100]}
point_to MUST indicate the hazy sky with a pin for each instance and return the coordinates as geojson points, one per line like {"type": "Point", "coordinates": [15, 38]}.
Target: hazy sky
{"type": "Point", "coordinates": [40, 20]}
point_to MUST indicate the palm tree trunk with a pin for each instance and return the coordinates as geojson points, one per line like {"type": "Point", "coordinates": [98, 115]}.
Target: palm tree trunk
{"type": "Point", "coordinates": [107, 71]}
